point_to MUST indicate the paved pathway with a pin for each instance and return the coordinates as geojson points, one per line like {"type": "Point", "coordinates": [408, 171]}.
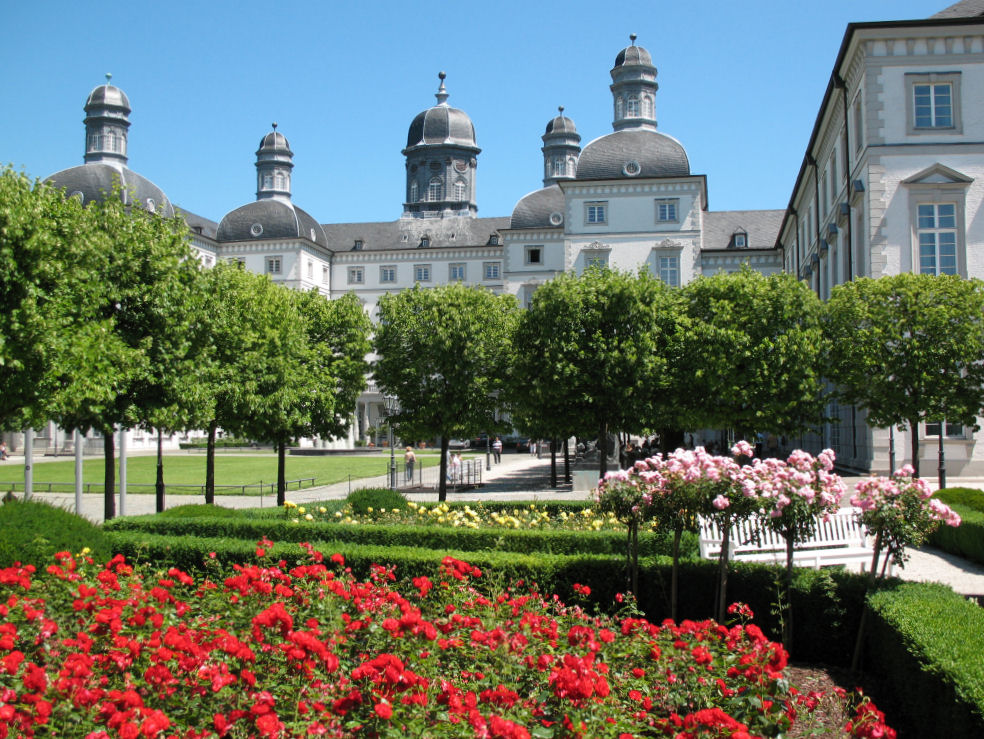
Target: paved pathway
{"type": "Point", "coordinates": [522, 477]}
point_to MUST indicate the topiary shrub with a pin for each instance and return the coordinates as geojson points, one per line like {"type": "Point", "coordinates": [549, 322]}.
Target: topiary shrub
{"type": "Point", "coordinates": [375, 498]}
{"type": "Point", "coordinates": [969, 497]}
{"type": "Point", "coordinates": [33, 532]}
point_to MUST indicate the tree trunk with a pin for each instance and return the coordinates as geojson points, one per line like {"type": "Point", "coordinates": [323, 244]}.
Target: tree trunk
{"type": "Point", "coordinates": [442, 478]}
{"type": "Point", "coordinates": [109, 474]}
{"type": "Point", "coordinates": [914, 443]}
{"type": "Point", "coordinates": [159, 487]}
{"type": "Point", "coordinates": [281, 473]}
{"type": "Point", "coordinates": [603, 448]}
{"type": "Point", "coordinates": [787, 621]}
{"type": "Point", "coordinates": [567, 461]}
{"type": "Point", "coordinates": [859, 642]}
{"type": "Point", "coordinates": [635, 559]}
{"type": "Point", "coordinates": [722, 598]}
{"type": "Point", "coordinates": [675, 572]}
{"type": "Point", "coordinates": [553, 463]}
{"type": "Point", "coordinates": [210, 465]}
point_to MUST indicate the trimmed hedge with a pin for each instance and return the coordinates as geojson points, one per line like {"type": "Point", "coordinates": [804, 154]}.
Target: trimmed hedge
{"type": "Point", "coordinates": [967, 539]}
{"type": "Point", "coordinates": [965, 497]}
{"type": "Point", "coordinates": [926, 643]}
{"type": "Point", "coordinates": [430, 537]}
{"type": "Point", "coordinates": [34, 531]}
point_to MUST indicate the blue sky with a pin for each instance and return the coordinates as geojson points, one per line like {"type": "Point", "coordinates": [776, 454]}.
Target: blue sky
{"type": "Point", "coordinates": [740, 85]}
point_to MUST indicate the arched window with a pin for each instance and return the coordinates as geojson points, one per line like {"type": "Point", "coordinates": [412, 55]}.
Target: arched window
{"type": "Point", "coordinates": [559, 167]}
{"type": "Point", "coordinates": [459, 190]}
{"type": "Point", "coordinates": [435, 190]}
{"type": "Point", "coordinates": [413, 192]}
{"type": "Point", "coordinates": [647, 106]}
{"type": "Point", "coordinates": [619, 109]}
{"type": "Point", "coordinates": [280, 180]}
{"type": "Point", "coordinates": [267, 181]}
{"type": "Point", "coordinates": [632, 108]}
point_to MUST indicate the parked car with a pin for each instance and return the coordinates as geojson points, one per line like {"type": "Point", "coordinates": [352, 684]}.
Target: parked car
{"type": "Point", "coordinates": [523, 444]}
{"type": "Point", "coordinates": [459, 444]}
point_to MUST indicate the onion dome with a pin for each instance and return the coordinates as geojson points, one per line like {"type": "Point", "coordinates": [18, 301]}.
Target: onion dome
{"type": "Point", "coordinates": [441, 124]}
{"type": "Point", "coordinates": [634, 88]}
{"type": "Point", "coordinates": [633, 55]}
{"type": "Point", "coordinates": [561, 149]}
{"type": "Point", "coordinates": [106, 123]}
{"type": "Point", "coordinates": [561, 125]}
{"type": "Point", "coordinates": [540, 209]}
{"type": "Point", "coordinates": [633, 153]}
{"type": "Point", "coordinates": [274, 162]}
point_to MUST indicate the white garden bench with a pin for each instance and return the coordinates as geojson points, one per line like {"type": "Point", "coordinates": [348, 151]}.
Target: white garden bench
{"type": "Point", "coordinates": [839, 541]}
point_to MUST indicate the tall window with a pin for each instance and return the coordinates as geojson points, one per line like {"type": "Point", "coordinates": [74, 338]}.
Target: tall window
{"type": "Point", "coordinates": [414, 192]}
{"type": "Point", "coordinates": [456, 272]}
{"type": "Point", "coordinates": [387, 274]}
{"type": "Point", "coordinates": [666, 210]}
{"type": "Point", "coordinates": [324, 275]}
{"type": "Point", "coordinates": [937, 232]}
{"type": "Point", "coordinates": [647, 106]}
{"type": "Point", "coordinates": [421, 272]}
{"type": "Point", "coordinates": [459, 190]}
{"type": "Point", "coordinates": [492, 270]}
{"type": "Point", "coordinates": [559, 167]}
{"type": "Point", "coordinates": [280, 180]}
{"type": "Point", "coordinates": [619, 107]}
{"type": "Point", "coordinates": [310, 270]}
{"type": "Point", "coordinates": [632, 107]}
{"type": "Point", "coordinates": [669, 270]}
{"type": "Point", "coordinates": [933, 105]}
{"type": "Point", "coordinates": [273, 265]}
{"type": "Point", "coordinates": [596, 212]}
{"type": "Point", "coordinates": [435, 191]}
{"type": "Point", "coordinates": [267, 181]}
{"type": "Point", "coordinates": [858, 125]}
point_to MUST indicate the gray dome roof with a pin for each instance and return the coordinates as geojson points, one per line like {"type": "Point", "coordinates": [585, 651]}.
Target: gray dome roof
{"type": "Point", "coordinates": [540, 209]}
{"type": "Point", "coordinates": [439, 125]}
{"type": "Point", "coordinates": [561, 124]}
{"type": "Point", "coordinates": [633, 55]}
{"type": "Point", "coordinates": [95, 180]}
{"type": "Point", "coordinates": [270, 219]}
{"type": "Point", "coordinates": [108, 95]}
{"type": "Point", "coordinates": [274, 140]}
{"type": "Point", "coordinates": [633, 153]}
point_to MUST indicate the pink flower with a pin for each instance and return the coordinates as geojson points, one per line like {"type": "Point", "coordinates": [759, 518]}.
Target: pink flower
{"type": "Point", "coordinates": [720, 502]}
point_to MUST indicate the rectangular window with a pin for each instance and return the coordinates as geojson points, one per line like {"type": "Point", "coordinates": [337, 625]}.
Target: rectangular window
{"type": "Point", "coordinates": [492, 270]}
{"type": "Point", "coordinates": [596, 212]}
{"type": "Point", "coordinates": [387, 274]}
{"type": "Point", "coordinates": [936, 229]}
{"type": "Point", "coordinates": [273, 265]}
{"type": "Point", "coordinates": [310, 271]}
{"type": "Point", "coordinates": [324, 275]}
{"type": "Point", "coordinates": [356, 275]}
{"type": "Point", "coordinates": [666, 210]}
{"type": "Point", "coordinates": [456, 272]}
{"type": "Point", "coordinates": [953, 430]}
{"type": "Point", "coordinates": [933, 105]}
{"type": "Point", "coordinates": [669, 270]}
{"type": "Point", "coordinates": [595, 260]}
{"type": "Point", "coordinates": [534, 255]}
{"type": "Point", "coordinates": [421, 272]}
{"type": "Point", "coordinates": [858, 125]}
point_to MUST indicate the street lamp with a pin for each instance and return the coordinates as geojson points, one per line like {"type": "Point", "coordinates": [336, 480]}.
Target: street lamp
{"type": "Point", "coordinates": [392, 406]}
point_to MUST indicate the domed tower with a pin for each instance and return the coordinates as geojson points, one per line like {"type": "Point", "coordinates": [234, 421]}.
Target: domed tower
{"type": "Point", "coordinates": [274, 162]}
{"type": "Point", "coordinates": [561, 149]}
{"type": "Point", "coordinates": [634, 88]}
{"type": "Point", "coordinates": [272, 215]}
{"type": "Point", "coordinates": [441, 160]}
{"type": "Point", "coordinates": [107, 120]}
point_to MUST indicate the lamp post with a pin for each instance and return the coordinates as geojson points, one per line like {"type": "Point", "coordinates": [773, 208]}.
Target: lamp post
{"type": "Point", "coordinates": [392, 406]}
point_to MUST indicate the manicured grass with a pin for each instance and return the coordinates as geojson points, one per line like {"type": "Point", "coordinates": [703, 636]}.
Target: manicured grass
{"type": "Point", "coordinates": [233, 469]}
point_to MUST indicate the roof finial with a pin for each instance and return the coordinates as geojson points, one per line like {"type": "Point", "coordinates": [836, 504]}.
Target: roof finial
{"type": "Point", "coordinates": [274, 125]}
{"type": "Point", "coordinates": [442, 93]}
{"type": "Point", "coordinates": [109, 76]}
{"type": "Point", "coordinates": [632, 38]}
{"type": "Point", "coordinates": [560, 109]}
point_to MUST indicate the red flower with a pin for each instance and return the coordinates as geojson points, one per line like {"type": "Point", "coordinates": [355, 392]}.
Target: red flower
{"type": "Point", "coordinates": [383, 710]}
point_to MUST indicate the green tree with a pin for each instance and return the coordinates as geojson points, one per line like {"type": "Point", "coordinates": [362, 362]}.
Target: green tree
{"type": "Point", "coordinates": [909, 348]}
{"type": "Point", "coordinates": [753, 352]}
{"type": "Point", "coordinates": [53, 339]}
{"type": "Point", "coordinates": [594, 354]}
{"type": "Point", "coordinates": [444, 352]}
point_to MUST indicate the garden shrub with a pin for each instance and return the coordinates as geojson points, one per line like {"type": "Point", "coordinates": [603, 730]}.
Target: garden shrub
{"type": "Point", "coordinates": [199, 510]}
{"type": "Point", "coordinates": [34, 531]}
{"type": "Point", "coordinates": [926, 642]}
{"type": "Point", "coordinates": [965, 497]}
{"type": "Point", "coordinates": [965, 540]}
{"type": "Point", "coordinates": [376, 498]}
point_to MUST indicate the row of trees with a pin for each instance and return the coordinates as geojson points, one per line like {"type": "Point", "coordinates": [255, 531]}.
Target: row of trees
{"type": "Point", "coordinates": [607, 351]}
{"type": "Point", "coordinates": [108, 320]}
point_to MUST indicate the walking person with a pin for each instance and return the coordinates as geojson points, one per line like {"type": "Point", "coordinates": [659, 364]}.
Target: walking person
{"type": "Point", "coordinates": [3, 450]}
{"type": "Point", "coordinates": [409, 460]}
{"type": "Point", "coordinates": [497, 449]}
{"type": "Point", "coordinates": [533, 445]}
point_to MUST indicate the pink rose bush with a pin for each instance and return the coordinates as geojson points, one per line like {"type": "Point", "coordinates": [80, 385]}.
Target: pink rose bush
{"type": "Point", "coordinates": [303, 649]}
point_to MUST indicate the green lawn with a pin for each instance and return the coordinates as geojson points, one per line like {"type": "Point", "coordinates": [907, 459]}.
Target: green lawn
{"type": "Point", "coordinates": [189, 469]}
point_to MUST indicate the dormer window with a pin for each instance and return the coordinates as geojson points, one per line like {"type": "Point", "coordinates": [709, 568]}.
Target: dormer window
{"type": "Point", "coordinates": [739, 239]}
{"type": "Point", "coordinates": [358, 245]}
{"type": "Point", "coordinates": [493, 239]}
{"type": "Point", "coordinates": [425, 242]}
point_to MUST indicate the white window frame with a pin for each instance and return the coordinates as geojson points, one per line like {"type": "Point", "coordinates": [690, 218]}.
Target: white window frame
{"type": "Point", "coordinates": [387, 273]}
{"type": "Point", "coordinates": [667, 210]}
{"type": "Point", "coordinates": [937, 222]}
{"type": "Point", "coordinates": [632, 107]}
{"type": "Point", "coordinates": [492, 270]}
{"type": "Point", "coordinates": [668, 269]}
{"type": "Point", "coordinates": [435, 189]}
{"type": "Point", "coordinates": [357, 275]}
{"type": "Point", "coordinates": [274, 265]}
{"type": "Point", "coordinates": [596, 213]}
{"type": "Point", "coordinates": [325, 275]}
{"type": "Point", "coordinates": [531, 251]}
{"type": "Point", "coordinates": [460, 189]}
{"type": "Point", "coordinates": [953, 430]}
{"type": "Point", "coordinates": [421, 273]}
{"type": "Point", "coordinates": [457, 271]}
{"type": "Point", "coordinates": [414, 191]}
{"type": "Point", "coordinates": [310, 270]}
{"type": "Point", "coordinates": [934, 81]}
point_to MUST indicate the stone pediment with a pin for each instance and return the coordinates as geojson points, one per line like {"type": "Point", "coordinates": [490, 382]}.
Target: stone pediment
{"type": "Point", "coordinates": [938, 174]}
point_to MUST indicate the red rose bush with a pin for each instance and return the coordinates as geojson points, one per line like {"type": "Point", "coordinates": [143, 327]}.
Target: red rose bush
{"type": "Point", "coordinates": [278, 649]}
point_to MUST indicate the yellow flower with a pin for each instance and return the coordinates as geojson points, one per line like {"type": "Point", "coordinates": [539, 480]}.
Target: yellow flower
{"type": "Point", "coordinates": [309, 517]}
{"type": "Point", "coordinates": [322, 509]}
{"type": "Point", "coordinates": [338, 514]}
{"type": "Point", "coordinates": [369, 509]}
{"type": "Point", "coordinates": [301, 510]}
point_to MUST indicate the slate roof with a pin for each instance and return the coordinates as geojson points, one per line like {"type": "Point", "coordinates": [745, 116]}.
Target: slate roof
{"type": "Point", "coordinates": [279, 220]}
{"type": "Point", "coordinates": [198, 224]}
{"type": "Point", "coordinates": [534, 210]}
{"type": "Point", "coordinates": [963, 9]}
{"type": "Point", "coordinates": [407, 233]}
{"type": "Point", "coordinates": [762, 227]}
{"type": "Point", "coordinates": [657, 154]}
{"type": "Point", "coordinates": [95, 180]}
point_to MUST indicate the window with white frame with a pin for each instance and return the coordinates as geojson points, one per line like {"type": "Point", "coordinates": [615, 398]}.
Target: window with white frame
{"type": "Point", "coordinates": [387, 274]}
{"type": "Point", "coordinates": [740, 239]}
{"type": "Point", "coordinates": [459, 190]}
{"type": "Point", "coordinates": [435, 191]}
{"type": "Point", "coordinates": [596, 212]}
{"type": "Point", "coordinates": [414, 192]}
{"type": "Point", "coordinates": [310, 270]}
{"type": "Point", "coordinates": [273, 265]}
{"type": "Point", "coordinates": [953, 430]}
{"type": "Point", "coordinates": [559, 166]}
{"type": "Point", "coordinates": [421, 272]}
{"type": "Point", "coordinates": [619, 107]}
{"type": "Point", "coordinates": [632, 107]}
{"type": "Point", "coordinates": [324, 275]}
{"type": "Point", "coordinates": [934, 102]}
{"type": "Point", "coordinates": [936, 229]}
{"type": "Point", "coordinates": [667, 210]}
{"type": "Point", "coordinates": [356, 275]}
{"type": "Point", "coordinates": [597, 260]}
{"type": "Point", "coordinates": [534, 255]}
{"type": "Point", "coordinates": [668, 269]}
{"type": "Point", "coordinates": [456, 271]}
{"type": "Point", "coordinates": [647, 106]}
{"type": "Point", "coordinates": [492, 270]}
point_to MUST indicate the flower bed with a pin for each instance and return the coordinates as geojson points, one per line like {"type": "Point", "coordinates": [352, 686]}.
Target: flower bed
{"type": "Point", "coordinates": [272, 651]}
